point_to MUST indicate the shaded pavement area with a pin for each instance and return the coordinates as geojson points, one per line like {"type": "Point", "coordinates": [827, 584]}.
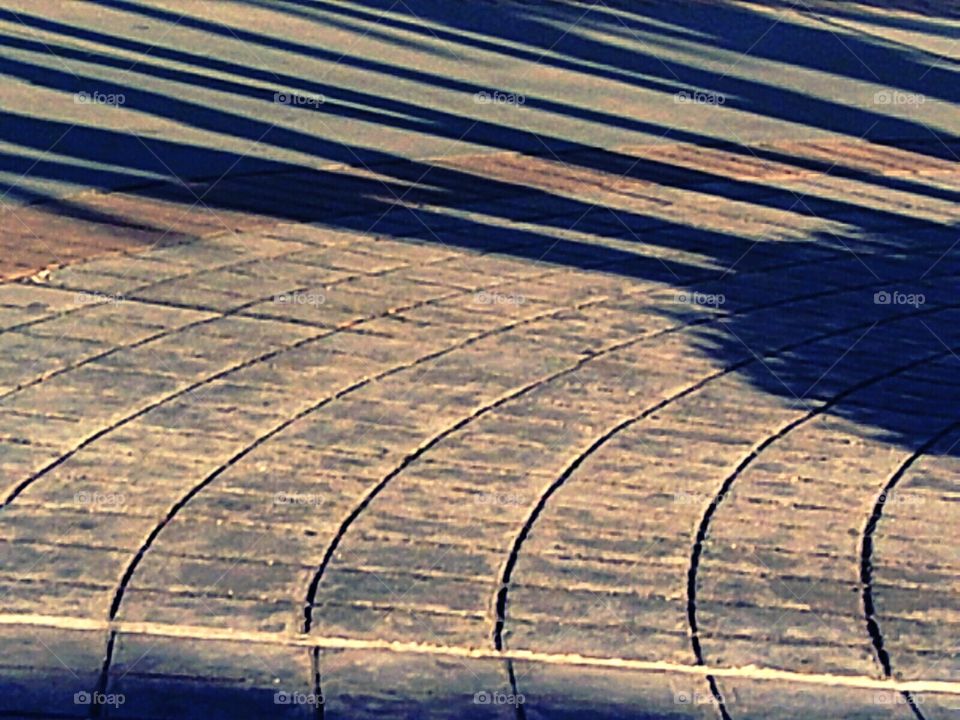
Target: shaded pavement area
{"type": "Point", "coordinates": [481, 360]}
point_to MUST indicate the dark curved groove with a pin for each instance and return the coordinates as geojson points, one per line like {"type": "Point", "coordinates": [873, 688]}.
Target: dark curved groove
{"type": "Point", "coordinates": [500, 603]}
{"type": "Point", "coordinates": [866, 562]}
{"type": "Point", "coordinates": [128, 574]}
{"type": "Point", "coordinates": [140, 343]}
{"type": "Point", "coordinates": [502, 593]}
{"type": "Point", "coordinates": [115, 605]}
{"type": "Point", "coordinates": [413, 456]}
{"type": "Point", "coordinates": [218, 315]}
{"type": "Point", "coordinates": [22, 486]}
{"type": "Point", "coordinates": [148, 286]}
{"type": "Point", "coordinates": [704, 527]}
{"type": "Point", "coordinates": [237, 311]}
{"type": "Point", "coordinates": [374, 491]}
{"type": "Point", "coordinates": [503, 586]}
{"type": "Point", "coordinates": [237, 457]}
{"type": "Point", "coordinates": [72, 311]}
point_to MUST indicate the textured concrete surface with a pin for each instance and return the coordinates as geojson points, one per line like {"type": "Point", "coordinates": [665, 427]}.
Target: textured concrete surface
{"type": "Point", "coordinates": [637, 398]}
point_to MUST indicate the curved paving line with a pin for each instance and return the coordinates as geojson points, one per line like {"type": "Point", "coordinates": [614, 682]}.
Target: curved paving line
{"type": "Point", "coordinates": [234, 311]}
{"type": "Point", "coordinates": [195, 272]}
{"type": "Point", "coordinates": [501, 603]}
{"type": "Point", "coordinates": [152, 537]}
{"type": "Point", "coordinates": [866, 560]}
{"type": "Point", "coordinates": [526, 389]}
{"type": "Point", "coordinates": [140, 288]}
{"type": "Point", "coordinates": [725, 487]}
{"type": "Point", "coordinates": [144, 341]}
{"type": "Point", "coordinates": [22, 486]}
{"type": "Point", "coordinates": [130, 570]}
{"type": "Point", "coordinates": [19, 489]}
{"type": "Point", "coordinates": [501, 596]}
{"type": "Point", "coordinates": [264, 357]}
{"type": "Point", "coordinates": [514, 394]}
{"type": "Point", "coordinates": [237, 457]}
{"type": "Point", "coordinates": [175, 509]}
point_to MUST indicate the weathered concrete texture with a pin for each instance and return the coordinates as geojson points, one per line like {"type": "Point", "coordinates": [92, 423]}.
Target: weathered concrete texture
{"type": "Point", "coordinates": [611, 405]}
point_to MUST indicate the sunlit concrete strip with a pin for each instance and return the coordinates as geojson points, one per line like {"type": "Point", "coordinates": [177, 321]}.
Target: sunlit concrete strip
{"type": "Point", "coordinates": [750, 672]}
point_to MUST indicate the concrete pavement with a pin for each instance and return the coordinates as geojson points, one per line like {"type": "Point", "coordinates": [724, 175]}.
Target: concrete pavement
{"type": "Point", "coordinates": [531, 360]}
